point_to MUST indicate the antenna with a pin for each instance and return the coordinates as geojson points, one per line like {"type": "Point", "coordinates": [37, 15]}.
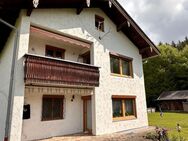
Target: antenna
{"type": "Point", "coordinates": [101, 37]}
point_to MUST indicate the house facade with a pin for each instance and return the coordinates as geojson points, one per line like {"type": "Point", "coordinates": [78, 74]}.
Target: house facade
{"type": "Point", "coordinates": [75, 72]}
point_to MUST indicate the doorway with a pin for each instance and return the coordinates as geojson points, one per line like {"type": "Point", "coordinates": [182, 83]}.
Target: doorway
{"type": "Point", "coordinates": [87, 114]}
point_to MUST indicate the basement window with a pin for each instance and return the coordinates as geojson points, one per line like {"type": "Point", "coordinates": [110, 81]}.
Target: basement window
{"type": "Point", "coordinates": [99, 23]}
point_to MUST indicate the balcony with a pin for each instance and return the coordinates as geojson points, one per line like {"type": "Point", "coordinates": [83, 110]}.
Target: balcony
{"type": "Point", "coordinates": [45, 70]}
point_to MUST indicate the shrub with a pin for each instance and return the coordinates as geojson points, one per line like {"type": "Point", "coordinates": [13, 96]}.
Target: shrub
{"type": "Point", "coordinates": [152, 136]}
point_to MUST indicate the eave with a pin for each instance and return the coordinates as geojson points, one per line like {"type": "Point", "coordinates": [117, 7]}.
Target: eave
{"type": "Point", "coordinates": [9, 11]}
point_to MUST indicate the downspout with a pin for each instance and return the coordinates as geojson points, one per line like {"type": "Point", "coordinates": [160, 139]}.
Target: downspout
{"type": "Point", "coordinates": [11, 85]}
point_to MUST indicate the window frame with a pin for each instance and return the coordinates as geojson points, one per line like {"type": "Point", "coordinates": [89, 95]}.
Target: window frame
{"type": "Point", "coordinates": [99, 19]}
{"type": "Point", "coordinates": [52, 97]}
{"type": "Point", "coordinates": [55, 49]}
{"type": "Point", "coordinates": [123, 99]}
{"type": "Point", "coordinates": [122, 58]}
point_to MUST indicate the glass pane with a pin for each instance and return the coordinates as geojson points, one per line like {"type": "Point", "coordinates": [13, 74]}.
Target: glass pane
{"type": "Point", "coordinates": [58, 54]}
{"type": "Point", "coordinates": [49, 53]}
{"type": "Point", "coordinates": [129, 107]}
{"type": "Point", "coordinates": [57, 108]}
{"type": "Point", "coordinates": [47, 108]}
{"type": "Point", "coordinates": [89, 115]}
{"type": "Point", "coordinates": [114, 63]}
{"type": "Point", "coordinates": [117, 108]}
{"type": "Point", "coordinates": [125, 67]}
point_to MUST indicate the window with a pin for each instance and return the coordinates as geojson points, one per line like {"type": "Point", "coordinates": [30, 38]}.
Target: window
{"type": "Point", "coordinates": [121, 65]}
{"type": "Point", "coordinates": [124, 107]}
{"type": "Point", "coordinates": [117, 108]}
{"type": "Point", "coordinates": [115, 64]}
{"type": "Point", "coordinates": [54, 52]}
{"type": "Point", "coordinates": [52, 107]}
{"type": "Point", "coordinates": [99, 23]}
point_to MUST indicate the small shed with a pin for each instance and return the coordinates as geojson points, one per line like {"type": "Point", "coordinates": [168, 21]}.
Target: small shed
{"type": "Point", "coordinates": [174, 100]}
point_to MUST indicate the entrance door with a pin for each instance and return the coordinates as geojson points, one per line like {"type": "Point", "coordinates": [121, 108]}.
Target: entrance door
{"type": "Point", "coordinates": [87, 114]}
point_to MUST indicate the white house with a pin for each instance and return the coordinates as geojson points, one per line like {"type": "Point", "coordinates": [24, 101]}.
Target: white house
{"type": "Point", "coordinates": [77, 69]}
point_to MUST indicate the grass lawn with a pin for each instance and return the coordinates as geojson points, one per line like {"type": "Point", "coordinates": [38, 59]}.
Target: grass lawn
{"type": "Point", "coordinates": [169, 121]}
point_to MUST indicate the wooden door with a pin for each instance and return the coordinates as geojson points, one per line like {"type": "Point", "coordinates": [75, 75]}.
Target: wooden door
{"type": "Point", "coordinates": [87, 114]}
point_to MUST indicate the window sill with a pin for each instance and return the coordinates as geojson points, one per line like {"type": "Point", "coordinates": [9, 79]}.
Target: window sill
{"type": "Point", "coordinates": [119, 75]}
{"type": "Point", "coordinates": [52, 119]}
{"type": "Point", "coordinates": [124, 118]}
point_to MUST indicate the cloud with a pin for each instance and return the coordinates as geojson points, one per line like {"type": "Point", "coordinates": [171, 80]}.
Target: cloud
{"type": "Point", "coordinates": [162, 20]}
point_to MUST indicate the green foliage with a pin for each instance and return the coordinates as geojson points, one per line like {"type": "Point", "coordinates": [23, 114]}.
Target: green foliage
{"type": "Point", "coordinates": [180, 45]}
{"type": "Point", "coordinates": [152, 136]}
{"type": "Point", "coordinates": [167, 72]}
{"type": "Point", "coordinates": [169, 121]}
{"type": "Point", "coordinates": [177, 138]}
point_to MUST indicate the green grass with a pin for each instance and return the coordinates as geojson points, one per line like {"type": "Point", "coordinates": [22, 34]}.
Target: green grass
{"type": "Point", "coordinates": [169, 121]}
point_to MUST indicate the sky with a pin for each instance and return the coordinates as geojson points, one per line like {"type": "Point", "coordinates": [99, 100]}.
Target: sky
{"type": "Point", "coordinates": [161, 20]}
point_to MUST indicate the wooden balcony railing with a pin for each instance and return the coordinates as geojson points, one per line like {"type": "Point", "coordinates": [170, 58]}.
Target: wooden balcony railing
{"type": "Point", "coordinates": [45, 70]}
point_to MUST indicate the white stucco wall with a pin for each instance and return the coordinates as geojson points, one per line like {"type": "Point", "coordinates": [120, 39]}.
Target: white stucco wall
{"type": "Point", "coordinates": [83, 26]}
{"type": "Point", "coordinates": [17, 111]}
{"type": "Point", "coordinates": [5, 69]}
{"type": "Point", "coordinates": [37, 46]}
{"type": "Point", "coordinates": [34, 128]}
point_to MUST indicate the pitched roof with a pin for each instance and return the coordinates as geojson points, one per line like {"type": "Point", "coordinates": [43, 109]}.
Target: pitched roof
{"type": "Point", "coordinates": [9, 11]}
{"type": "Point", "coordinates": [174, 95]}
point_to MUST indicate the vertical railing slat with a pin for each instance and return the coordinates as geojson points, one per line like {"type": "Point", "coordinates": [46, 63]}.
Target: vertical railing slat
{"type": "Point", "coordinates": [45, 70]}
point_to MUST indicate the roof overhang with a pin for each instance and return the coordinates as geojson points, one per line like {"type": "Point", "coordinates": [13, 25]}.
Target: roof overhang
{"type": "Point", "coordinates": [173, 95]}
{"type": "Point", "coordinates": [171, 99]}
{"type": "Point", "coordinates": [60, 37]}
{"type": "Point", "coordinates": [9, 11]}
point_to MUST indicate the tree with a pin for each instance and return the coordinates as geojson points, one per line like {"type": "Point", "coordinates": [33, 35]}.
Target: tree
{"type": "Point", "coordinates": [160, 43]}
{"type": "Point", "coordinates": [173, 44]}
{"type": "Point", "coordinates": [167, 72]}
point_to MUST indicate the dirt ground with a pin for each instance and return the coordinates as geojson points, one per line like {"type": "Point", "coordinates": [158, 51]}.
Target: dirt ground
{"type": "Point", "coordinates": [136, 135]}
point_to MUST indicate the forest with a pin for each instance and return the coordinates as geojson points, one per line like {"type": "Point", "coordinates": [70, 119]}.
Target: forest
{"type": "Point", "coordinates": [166, 72]}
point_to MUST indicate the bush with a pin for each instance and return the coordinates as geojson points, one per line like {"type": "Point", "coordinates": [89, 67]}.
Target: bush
{"type": "Point", "coordinates": [152, 136]}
